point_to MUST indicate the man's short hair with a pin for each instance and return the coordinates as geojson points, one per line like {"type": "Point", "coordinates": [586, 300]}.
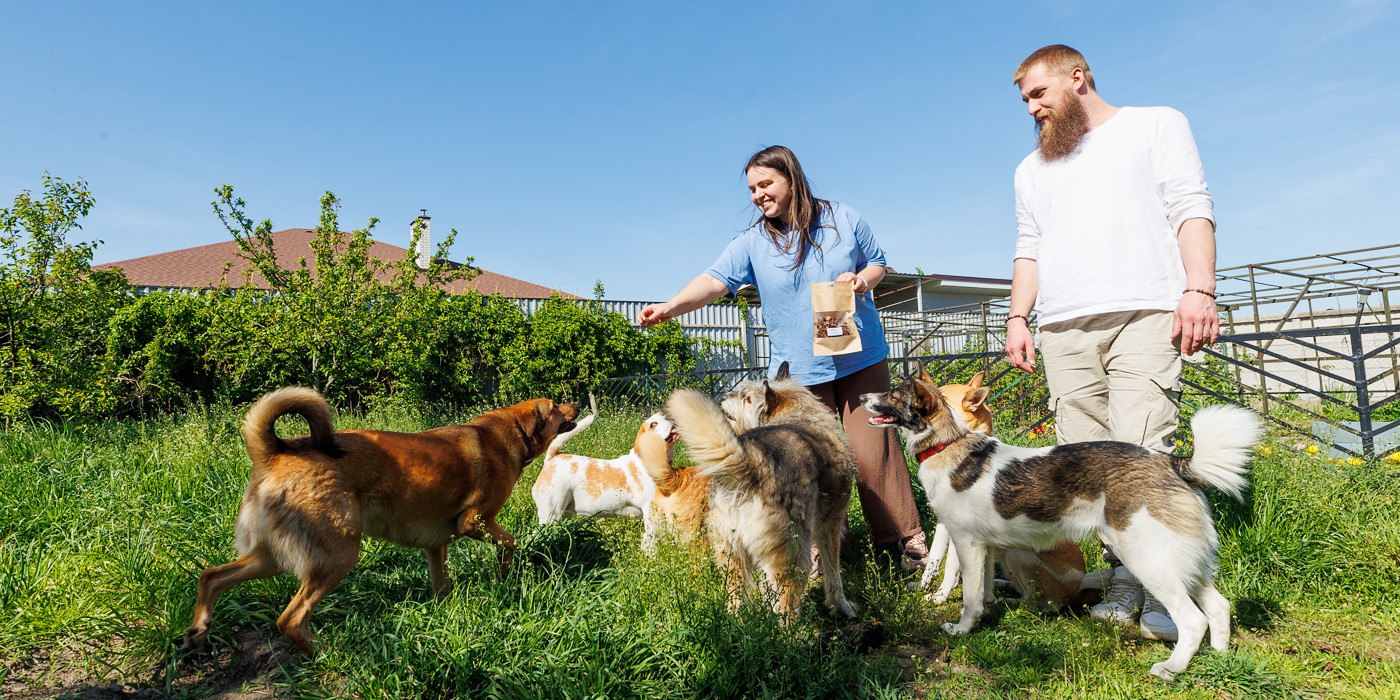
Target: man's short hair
{"type": "Point", "coordinates": [1058, 59]}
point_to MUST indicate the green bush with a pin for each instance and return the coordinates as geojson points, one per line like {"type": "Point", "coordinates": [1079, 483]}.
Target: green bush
{"type": "Point", "coordinates": [76, 342]}
{"type": "Point", "coordinates": [155, 352]}
{"type": "Point", "coordinates": [449, 350]}
{"type": "Point", "coordinates": [572, 346]}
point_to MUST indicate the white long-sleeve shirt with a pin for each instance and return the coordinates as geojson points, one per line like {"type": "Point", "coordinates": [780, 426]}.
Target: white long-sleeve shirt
{"type": "Point", "coordinates": [1101, 223]}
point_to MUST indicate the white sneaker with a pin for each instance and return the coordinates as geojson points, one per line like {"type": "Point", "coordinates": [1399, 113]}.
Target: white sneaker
{"type": "Point", "coordinates": [1155, 623]}
{"type": "Point", "coordinates": [1122, 598]}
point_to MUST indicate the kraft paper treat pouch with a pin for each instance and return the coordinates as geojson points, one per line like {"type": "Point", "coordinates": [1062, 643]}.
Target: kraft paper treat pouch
{"type": "Point", "coordinates": [833, 319]}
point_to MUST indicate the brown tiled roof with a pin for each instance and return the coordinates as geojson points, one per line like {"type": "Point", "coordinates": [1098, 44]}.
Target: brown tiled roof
{"type": "Point", "coordinates": [202, 266]}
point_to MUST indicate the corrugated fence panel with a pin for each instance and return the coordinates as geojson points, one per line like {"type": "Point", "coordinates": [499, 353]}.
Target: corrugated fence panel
{"type": "Point", "coordinates": [740, 344]}
{"type": "Point", "coordinates": [734, 343]}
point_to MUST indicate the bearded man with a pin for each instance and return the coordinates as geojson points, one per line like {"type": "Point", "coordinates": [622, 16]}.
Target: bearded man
{"type": "Point", "coordinates": [1115, 250]}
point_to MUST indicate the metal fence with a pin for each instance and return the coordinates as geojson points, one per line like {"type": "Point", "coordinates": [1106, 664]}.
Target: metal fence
{"type": "Point", "coordinates": [737, 337]}
{"type": "Point", "coordinates": [1342, 394]}
{"type": "Point", "coordinates": [1310, 343]}
{"type": "Point", "coordinates": [732, 336]}
{"type": "Point", "coordinates": [1020, 398]}
{"type": "Point", "coordinates": [1358, 415]}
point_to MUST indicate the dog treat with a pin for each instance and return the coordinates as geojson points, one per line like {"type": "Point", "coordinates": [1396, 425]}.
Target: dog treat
{"type": "Point", "coordinates": [833, 319]}
{"type": "Point", "coordinates": [830, 327]}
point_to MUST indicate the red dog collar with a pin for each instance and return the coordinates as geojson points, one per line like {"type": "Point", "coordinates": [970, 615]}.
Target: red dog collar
{"type": "Point", "coordinates": [929, 453]}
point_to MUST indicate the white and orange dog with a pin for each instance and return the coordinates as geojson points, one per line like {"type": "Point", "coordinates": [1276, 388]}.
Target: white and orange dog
{"type": "Point", "coordinates": [640, 484]}
{"type": "Point", "coordinates": [1050, 579]}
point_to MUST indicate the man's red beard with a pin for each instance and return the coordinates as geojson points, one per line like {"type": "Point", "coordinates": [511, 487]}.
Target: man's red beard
{"type": "Point", "coordinates": [1062, 130]}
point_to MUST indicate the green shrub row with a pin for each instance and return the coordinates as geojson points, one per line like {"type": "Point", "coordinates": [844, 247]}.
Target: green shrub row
{"type": "Point", "coordinates": [77, 342]}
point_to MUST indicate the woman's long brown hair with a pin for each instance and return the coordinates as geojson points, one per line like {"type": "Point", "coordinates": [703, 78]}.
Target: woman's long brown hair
{"type": "Point", "coordinates": [804, 211]}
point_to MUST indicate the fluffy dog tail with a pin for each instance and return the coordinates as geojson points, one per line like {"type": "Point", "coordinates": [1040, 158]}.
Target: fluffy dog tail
{"type": "Point", "coordinates": [659, 470]}
{"type": "Point", "coordinates": [706, 432]}
{"type": "Point", "coordinates": [558, 443]}
{"type": "Point", "coordinates": [259, 435]}
{"type": "Point", "coordinates": [1224, 437]}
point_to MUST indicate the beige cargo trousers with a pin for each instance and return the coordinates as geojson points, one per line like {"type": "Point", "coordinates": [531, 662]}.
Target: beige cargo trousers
{"type": "Point", "coordinates": [1114, 376]}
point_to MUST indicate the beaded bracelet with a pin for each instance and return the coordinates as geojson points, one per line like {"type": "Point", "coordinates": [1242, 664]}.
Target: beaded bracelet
{"type": "Point", "coordinates": [1023, 317]}
{"type": "Point", "coordinates": [1200, 291]}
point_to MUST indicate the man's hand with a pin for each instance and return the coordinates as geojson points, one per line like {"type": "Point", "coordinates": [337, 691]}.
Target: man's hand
{"type": "Point", "coordinates": [1196, 321]}
{"type": "Point", "coordinates": [857, 282]}
{"type": "Point", "coordinates": [653, 314]}
{"type": "Point", "coordinates": [1020, 345]}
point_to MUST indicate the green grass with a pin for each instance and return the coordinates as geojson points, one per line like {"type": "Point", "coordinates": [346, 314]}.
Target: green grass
{"type": "Point", "coordinates": [105, 527]}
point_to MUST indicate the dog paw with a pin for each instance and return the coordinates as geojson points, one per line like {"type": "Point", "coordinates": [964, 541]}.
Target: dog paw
{"type": "Point", "coordinates": [1160, 670]}
{"type": "Point", "coordinates": [847, 608]}
{"type": "Point", "coordinates": [956, 629]}
{"type": "Point", "coordinates": [193, 640]}
{"type": "Point", "coordinates": [937, 597]}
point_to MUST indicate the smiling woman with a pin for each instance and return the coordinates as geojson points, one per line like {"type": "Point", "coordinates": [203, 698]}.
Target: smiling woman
{"type": "Point", "coordinates": [770, 191]}
{"type": "Point", "coordinates": [797, 240]}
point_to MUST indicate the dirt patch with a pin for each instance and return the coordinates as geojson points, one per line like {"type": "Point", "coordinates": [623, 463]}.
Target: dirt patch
{"type": "Point", "coordinates": [923, 666]}
{"type": "Point", "coordinates": [62, 669]}
{"type": "Point", "coordinates": [248, 668]}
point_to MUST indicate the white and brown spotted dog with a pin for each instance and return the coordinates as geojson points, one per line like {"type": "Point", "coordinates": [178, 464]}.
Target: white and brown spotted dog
{"type": "Point", "coordinates": [1148, 506]}
{"type": "Point", "coordinates": [640, 484]}
{"type": "Point", "coordinates": [1049, 579]}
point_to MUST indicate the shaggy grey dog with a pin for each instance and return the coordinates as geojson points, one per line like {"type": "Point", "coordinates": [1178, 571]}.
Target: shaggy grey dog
{"type": "Point", "coordinates": [781, 474]}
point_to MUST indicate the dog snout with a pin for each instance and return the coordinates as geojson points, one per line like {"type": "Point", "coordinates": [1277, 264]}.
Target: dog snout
{"type": "Point", "coordinates": [871, 401]}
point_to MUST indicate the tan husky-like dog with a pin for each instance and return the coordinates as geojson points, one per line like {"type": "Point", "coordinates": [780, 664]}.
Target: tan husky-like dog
{"type": "Point", "coordinates": [781, 476]}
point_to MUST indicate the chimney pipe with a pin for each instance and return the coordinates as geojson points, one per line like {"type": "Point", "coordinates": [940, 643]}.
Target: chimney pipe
{"type": "Point", "coordinates": [423, 253]}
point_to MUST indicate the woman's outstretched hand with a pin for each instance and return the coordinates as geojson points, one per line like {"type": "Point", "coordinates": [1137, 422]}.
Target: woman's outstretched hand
{"type": "Point", "coordinates": [653, 314]}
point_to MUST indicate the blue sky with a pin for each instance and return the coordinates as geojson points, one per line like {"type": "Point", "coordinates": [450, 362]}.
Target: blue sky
{"type": "Point", "coordinates": [569, 142]}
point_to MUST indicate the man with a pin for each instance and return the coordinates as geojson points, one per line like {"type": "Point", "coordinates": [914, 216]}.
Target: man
{"type": "Point", "coordinates": [1115, 249]}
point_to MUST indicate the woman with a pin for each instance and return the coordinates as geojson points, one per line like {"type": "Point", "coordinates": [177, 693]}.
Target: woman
{"type": "Point", "coordinates": [795, 241]}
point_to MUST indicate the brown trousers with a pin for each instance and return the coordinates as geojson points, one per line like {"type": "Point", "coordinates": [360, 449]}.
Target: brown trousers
{"type": "Point", "coordinates": [882, 474]}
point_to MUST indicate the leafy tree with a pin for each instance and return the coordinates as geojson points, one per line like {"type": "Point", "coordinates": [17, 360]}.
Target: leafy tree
{"type": "Point", "coordinates": [53, 306]}
{"type": "Point", "coordinates": [328, 322]}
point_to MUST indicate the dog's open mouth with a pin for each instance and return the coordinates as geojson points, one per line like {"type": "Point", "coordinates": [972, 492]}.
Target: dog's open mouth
{"type": "Point", "coordinates": [878, 419]}
{"type": "Point", "coordinates": [567, 425]}
{"type": "Point", "coordinates": [672, 436]}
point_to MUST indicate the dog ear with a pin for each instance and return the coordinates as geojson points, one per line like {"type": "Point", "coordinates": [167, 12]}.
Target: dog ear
{"type": "Point", "coordinates": [924, 376]}
{"type": "Point", "coordinates": [976, 380]}
{"type": "Point", "coordinates": [926, 395]}
{"type": "Point", "coordinates": [770, 397]}
{"type": "Point", "coordinates": [976, 397]}
{"type": "Point", "coordinates": [783, 372]}
{"type": "Point", "coordinates": [538, 416]}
